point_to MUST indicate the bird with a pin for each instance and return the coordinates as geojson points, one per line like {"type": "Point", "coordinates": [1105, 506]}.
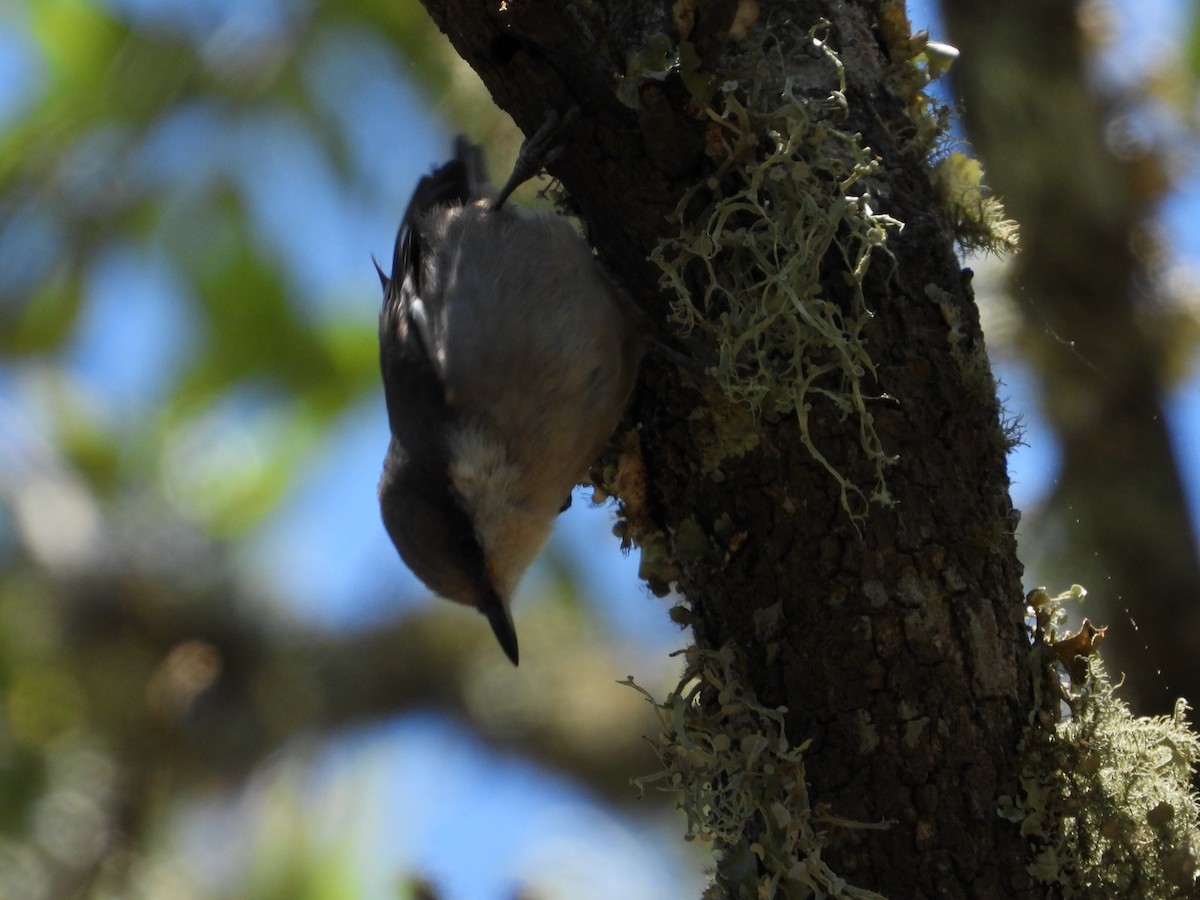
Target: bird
{"type": "Point", "coordinates": [508, 357]}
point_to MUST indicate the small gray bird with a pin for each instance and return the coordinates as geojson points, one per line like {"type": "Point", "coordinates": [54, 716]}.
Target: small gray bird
{"type": "Point", "coordinates": [508, 358]}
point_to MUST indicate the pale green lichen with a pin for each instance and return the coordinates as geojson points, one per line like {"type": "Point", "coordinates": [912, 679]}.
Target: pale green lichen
{"type": "Point", "coordinates": [656, 60]}
{"type": "Point", "coordinates": [978, 380]}
{"type": "Point", "coordinates": [790, 197]}
{"type": "Point", "coordinates": [956, 336]}
{"type": "Point", "coordinates": [726, 430]}
{"type": "Point", "coordinates": [914, 68]}
{"type": "Point", "coordinates": [978, 218]}
{"type": "Point", "coordinates": [742, 784]}
{"type": "Point", "coordinates": [1106, 796]}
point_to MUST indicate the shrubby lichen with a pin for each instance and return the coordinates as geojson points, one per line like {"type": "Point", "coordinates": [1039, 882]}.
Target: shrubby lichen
{"type": "Point", "coordinates": [742, 783]}
{"type": "Point", "coordinates": [1106, 796]}
{"type": "Point", "coordinates": [978, 218]}
{"type": "Point", "coordinates": [790, 196]}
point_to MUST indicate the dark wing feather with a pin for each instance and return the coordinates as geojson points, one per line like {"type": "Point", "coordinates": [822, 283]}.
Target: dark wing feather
{"type": "Point", "coordinates": [448, 186]}
{"type": "Point", "coordinates": [415, 395]}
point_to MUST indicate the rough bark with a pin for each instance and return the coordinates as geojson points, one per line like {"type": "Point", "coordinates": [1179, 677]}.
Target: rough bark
{"type": "Point", "coordinates": [900, 649]}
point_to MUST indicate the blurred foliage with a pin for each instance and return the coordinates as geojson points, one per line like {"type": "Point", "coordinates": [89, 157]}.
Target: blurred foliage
{"type": "Point", "coordinates": [141, 669]}
{"type": "Point", "coordinates": [1085, 118]}
{"type": "Point", "coordinates": [73, 170]}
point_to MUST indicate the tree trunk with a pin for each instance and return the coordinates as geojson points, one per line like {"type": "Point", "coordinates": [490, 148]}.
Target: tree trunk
{"type": "Point", "coordinates": [891, 630]}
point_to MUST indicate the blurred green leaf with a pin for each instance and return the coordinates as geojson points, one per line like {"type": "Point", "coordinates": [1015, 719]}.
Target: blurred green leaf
{"type": "Point", "coordinates": [77, 38]}
{"type": "Point", "coordinates": [46, 319]}
{"type": "Point", "coordinates": [1193, 43]}
{"type": "Point", "coordinates": [43, 702]}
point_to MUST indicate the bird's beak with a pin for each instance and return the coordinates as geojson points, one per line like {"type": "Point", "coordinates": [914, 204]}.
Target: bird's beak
{"type": "Point", "coordinates": [500, 619]}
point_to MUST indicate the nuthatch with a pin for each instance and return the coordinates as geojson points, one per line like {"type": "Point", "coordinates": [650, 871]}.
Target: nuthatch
{"type": "Point", "coordinates": [508, 359]}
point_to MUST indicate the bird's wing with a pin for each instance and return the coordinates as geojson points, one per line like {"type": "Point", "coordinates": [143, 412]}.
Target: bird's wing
{"type": "Point", "coordinates": [412, 383]}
